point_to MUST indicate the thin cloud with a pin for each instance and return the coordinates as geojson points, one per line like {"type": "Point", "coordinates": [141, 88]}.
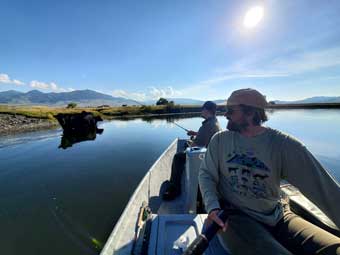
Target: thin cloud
{"type": "Point", "coordinates": [291, 64]}
{"type": "Point", "coordinates": [310, 61]}
{"type": "Point", "coordinates": [50, 86]}
{"type": "Point", "coordinates": [129, 95]}
{"type": "Point", "coordinates": [17, 82]}
{"type": "Point", "coordinates": [39, 85]}
{"type": "Point", "coordinates": [152, 93]}
{"type": "Point", "coordinates": [237, 76]}
{"type": "Point", "coordinates": [269, 67]}
{"type": "Point", "coordinates": [4, 78]}
{"type": "Point", "coordinates": [156, 93]}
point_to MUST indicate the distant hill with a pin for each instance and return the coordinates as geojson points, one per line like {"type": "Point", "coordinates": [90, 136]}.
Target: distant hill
{"type": "Point", "coordinates": [319, 99]}
{"type": "Point", "coordinates": [8, 95]}
{"type": "Point", "coordinates": [221, 102]}
{"type": "Point", "coordinates": [81, 97]}
{"type": "Point", "coordinates": [185, 101]}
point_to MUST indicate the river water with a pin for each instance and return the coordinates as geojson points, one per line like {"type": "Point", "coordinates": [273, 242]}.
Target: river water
{"type": "Point", "coordinates": [66, 201]}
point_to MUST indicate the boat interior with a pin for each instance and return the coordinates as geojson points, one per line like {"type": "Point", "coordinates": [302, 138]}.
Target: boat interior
{"type": "Point", "coordinates": [152, 226]}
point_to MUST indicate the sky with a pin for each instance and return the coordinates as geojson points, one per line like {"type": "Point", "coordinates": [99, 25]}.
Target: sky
{"type": "Point", "coordinates": [147, 49]}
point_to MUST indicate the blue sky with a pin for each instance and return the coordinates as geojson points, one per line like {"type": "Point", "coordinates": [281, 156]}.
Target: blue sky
{"type": "Point", "coordinates": [187, 48]}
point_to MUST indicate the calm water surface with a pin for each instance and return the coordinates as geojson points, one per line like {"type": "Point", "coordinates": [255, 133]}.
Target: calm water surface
{"type": "Point", "coordinates": [56, 201]}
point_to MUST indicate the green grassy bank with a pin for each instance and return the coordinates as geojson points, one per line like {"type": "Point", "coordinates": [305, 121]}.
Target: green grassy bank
{"type": "Point", "coordinates": [47, 112]}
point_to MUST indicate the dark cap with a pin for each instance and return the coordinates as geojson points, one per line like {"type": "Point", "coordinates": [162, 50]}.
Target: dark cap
{"type": "Point", "coordinates": [210, 106]}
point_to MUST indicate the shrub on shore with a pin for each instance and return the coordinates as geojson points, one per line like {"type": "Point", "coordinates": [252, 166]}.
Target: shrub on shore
{"type": "Point", "coordinates": [71, 105]}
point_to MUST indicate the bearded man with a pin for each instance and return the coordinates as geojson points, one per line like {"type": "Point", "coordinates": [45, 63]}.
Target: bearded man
{"type": "Point", "coordinates": [243, 168]}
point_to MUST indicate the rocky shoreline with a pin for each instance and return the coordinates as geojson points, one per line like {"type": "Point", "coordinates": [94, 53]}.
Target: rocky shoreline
{"type": "Point", "coordinates": [14, 123]}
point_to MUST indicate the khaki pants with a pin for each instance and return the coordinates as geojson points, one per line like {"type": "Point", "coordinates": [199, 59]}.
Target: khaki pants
{"type": "Point", "coordinates": [292, 235]}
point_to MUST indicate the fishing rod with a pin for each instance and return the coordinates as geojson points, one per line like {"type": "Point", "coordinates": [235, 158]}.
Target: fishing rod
{"type": "Point", "coordinates": [187, 130]}
{"type": "Point", "coordinates": [201, 243]}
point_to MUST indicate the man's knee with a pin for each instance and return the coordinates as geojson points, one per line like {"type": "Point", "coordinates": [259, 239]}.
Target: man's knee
{"type": "Point", "coordinates": [302, 237]}
{"type": "Point", "coordinates": [245, 235]}
{"type": "Point", "coordinates": [333, 249]}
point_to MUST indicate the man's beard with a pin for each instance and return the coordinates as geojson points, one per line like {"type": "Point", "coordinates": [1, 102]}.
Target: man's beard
{"type": "Point", "coordinates": [237, 127]}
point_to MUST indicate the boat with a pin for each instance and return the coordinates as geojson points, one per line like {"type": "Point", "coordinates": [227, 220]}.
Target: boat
{"type": "Point", "coordinates": [149, 225]}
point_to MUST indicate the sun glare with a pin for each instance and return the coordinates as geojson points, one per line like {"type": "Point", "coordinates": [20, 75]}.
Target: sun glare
{"type": "Point", "coordinates": [253, 17]}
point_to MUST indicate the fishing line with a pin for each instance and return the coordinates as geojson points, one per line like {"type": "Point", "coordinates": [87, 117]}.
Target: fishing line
{"type": "Point", "coordinates": [74, 231]}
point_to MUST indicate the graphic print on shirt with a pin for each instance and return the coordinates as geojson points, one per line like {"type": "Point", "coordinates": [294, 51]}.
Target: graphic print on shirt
{"type": "Point", "coordinates": [247, 175]}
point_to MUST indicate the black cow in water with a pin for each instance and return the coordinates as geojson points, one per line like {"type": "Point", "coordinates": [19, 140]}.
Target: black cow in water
{"type": "Point", "coordinates": [78, 127]}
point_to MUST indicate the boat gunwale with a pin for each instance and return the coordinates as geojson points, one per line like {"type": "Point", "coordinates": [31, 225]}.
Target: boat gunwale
{"type": "Point", "coordinates": [132, 198]}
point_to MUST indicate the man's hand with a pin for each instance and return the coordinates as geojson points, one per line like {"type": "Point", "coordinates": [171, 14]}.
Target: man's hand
{"type": "Point", "coordinates": [190, 133]}
{"type": "Point", "coordinates": [213, 217]}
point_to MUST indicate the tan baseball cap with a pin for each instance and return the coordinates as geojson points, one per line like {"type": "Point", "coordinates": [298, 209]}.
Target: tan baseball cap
{"type": "Point", "coordinates": [249, 97]}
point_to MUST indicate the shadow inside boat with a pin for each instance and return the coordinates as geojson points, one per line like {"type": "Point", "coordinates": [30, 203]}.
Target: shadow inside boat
{"type": "Point", "coordinates": [155, 202]}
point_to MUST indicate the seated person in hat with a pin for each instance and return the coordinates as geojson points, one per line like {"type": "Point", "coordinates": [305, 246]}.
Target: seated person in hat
{"type": "Point", "coordinates": [242, 170]}
{"type": "Point", "coordinates": [209, 127]}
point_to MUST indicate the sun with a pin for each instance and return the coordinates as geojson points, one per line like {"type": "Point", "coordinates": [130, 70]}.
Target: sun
{"type": "Point", "coordinates": [253, 17]}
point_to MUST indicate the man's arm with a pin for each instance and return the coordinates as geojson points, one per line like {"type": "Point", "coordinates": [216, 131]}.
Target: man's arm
{"type": "Point", "coordinates": [191, 132]}
{"type": "Point", "coordinates": [200, 138]}
{"type": "Point", "coordinates": [208, 176]}
{"type": "Point", "coordinates": [205, 133]}
{"type": "Point", "coordinates": [192, 135]}
{"type": "Point", "coordinates": [302, 170]}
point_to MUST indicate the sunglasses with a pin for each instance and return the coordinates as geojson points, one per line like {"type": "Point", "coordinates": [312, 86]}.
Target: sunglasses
{"type": "Point", "coordinates": [230, 110]}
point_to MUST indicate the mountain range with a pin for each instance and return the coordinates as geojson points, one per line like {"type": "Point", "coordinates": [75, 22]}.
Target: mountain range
{"type": "Point", "coordinates": [93, 98]}
{"type": "Point", "coordinates": [81, 97]}
{"type": "Point", "coordinates": [311, 100]}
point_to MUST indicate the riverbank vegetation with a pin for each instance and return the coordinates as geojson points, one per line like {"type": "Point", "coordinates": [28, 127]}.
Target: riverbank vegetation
{"type": "Point", "coordinates": [107, 112]}
{"type": "Point", "coordinates": [30, 118]}
{"type": "Point", "coordinates": [42, 112]}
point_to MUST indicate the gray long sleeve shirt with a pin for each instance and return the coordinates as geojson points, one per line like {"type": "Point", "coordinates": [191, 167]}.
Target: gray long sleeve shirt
{"type": "Point", "coordinates": [247, 172]}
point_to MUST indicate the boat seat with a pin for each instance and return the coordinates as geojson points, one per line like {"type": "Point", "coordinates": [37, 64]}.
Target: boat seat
{"type": "Point", "coordinates": [187, 201]}
{"type": "Point", "coordinates": [194, 157]}
{"type": "Point", "coordinates": [166, 229]}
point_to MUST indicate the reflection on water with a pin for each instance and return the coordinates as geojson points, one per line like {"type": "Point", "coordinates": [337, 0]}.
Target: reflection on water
{"type": "Point", "coordinates": [166, 117]}
{"type": "Point", "coordinates": [318, 129]}
{"type": "Point", "coordinates": [57, 201]}
{"type": "Point", "coordinates": [75, 232]}
{"type": "Point", "coordinates": [70, 138]}
{"type": "Point", "coordinates": [10, 140]}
